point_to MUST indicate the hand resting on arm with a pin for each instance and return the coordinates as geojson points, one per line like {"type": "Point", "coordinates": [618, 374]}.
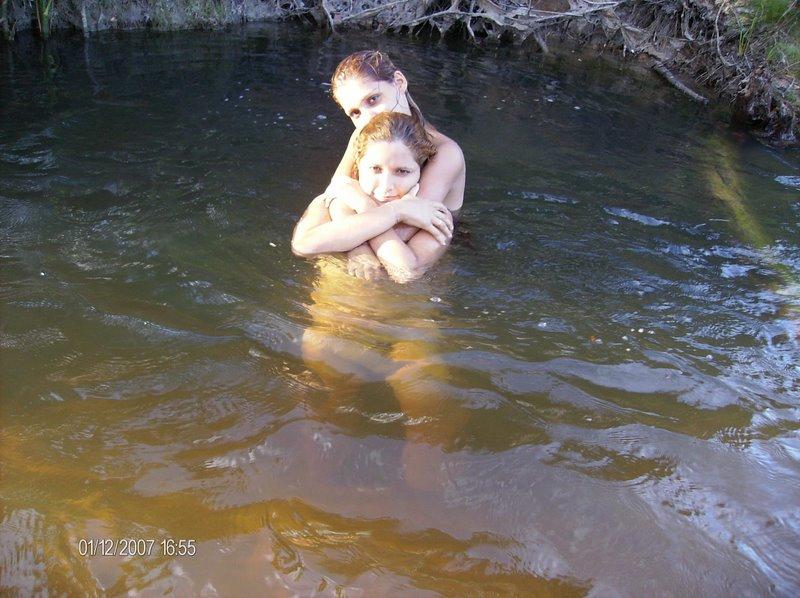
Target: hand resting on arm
{"type": "Point", "coordinates": [316, 233]}
{"type": "Point", "coordinates": [404, 261]}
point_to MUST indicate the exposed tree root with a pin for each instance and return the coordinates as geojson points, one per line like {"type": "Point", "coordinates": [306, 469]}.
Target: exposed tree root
{"type": "Point", "coordinates": [672, 79]}
{"type": "Point", "coordinates": [691, 43]}
{"type": "Point", "coordinates": [684, 40]}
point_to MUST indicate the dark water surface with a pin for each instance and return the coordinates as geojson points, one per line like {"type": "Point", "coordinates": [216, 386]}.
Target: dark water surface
{"type": "Point", "coordinates": [600, 395]}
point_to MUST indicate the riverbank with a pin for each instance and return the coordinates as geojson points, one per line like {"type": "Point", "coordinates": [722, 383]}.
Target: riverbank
{"type": "Point", "coordinates": [743, 54]}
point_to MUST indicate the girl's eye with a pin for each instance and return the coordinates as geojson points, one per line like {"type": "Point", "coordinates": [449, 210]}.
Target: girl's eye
{"type": "Point", "coordinates": [376, 169]}
{"type": "Point", "coordinates": [403, 171]}
{"type": "Point", "coordinates": [372, 99]}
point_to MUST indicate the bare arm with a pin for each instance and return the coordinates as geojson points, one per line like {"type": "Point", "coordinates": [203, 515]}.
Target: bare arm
{"type": "Point", "coordinates": [361, 260]}
{"type": "Point", "coordinates": [443, 173]}
{"type": "Point", "coordinates": [438, 177]}
{"type": "Point", "coordinates": [401, 260]}
{"type": "Point", "coordinates": [349, 192]}
{"type": "Point", "coordinates": [316, 233]}
{"type": "Point", "coordinates": [346, 193]}
{"type": "Point", "coordinates": [345, 167]}
{"type": "Point", "coordinates": [304, 241]}
{"type": "Point", "coordinates": [315, 215]}
{"type": "Point", "coordinates": [407, 261]}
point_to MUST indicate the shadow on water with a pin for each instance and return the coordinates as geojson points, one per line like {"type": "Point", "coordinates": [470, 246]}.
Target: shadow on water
{"type": "Point", "coordinates": [599, 395]}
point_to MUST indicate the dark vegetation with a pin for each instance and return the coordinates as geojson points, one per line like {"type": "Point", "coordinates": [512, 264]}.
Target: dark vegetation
{"type": "Point", "coordinates": [745, 53]}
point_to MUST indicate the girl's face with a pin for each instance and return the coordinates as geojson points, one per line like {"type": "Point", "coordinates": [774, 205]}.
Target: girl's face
{"type": "Point", "coordinates": [361, 99]}
{"type": "Point", "coordinates": [387, 170]}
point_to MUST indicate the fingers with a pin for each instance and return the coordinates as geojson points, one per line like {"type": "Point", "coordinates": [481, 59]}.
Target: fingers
{"type": "Point", "coordinates": [441, 224]}
{"type": "Point", "coordinates": [445, 231]}
{"type": "Point", "coordinates": [449, 215]}
{"type": "Point", "coordinates": [447, 220]}
{"type": "Point", "coordinates": [364, 271]}
{"type": "Point", "coordinates": [444, 213]}
{"type": "Point", "coordinates": [437, 234]}
{"type": "Point", "coordinates": [372, 273]}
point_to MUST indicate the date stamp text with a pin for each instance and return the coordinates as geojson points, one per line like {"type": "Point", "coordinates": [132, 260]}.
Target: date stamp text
{"type": "Point", "coordinates": [133, 547]}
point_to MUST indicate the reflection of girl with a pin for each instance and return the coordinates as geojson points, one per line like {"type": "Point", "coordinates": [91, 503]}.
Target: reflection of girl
{"type": "Point", "coordinates": [366, 84]}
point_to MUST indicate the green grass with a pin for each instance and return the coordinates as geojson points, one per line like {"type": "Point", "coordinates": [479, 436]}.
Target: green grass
{"type": "Point", "coordinates": [44, 9]}
{"type": "Point", "coordinates": [767, 16]}
{"type": "Point", "coordinates": [771, 27]}
{"type": "Point", "coordinates": [774, 11]}
{"type": "Point", "coordinates": [785, 55]}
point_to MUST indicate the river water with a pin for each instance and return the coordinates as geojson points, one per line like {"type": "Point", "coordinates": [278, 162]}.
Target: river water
{"type": "Point", "coordinates": [595, 392]}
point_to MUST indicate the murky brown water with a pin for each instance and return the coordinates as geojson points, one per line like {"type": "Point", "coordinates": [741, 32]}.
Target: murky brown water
{"type": "Point", "coordinates": [600, 395]}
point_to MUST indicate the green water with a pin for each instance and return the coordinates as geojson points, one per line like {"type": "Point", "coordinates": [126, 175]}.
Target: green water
{"type": "Point", "coordinates": [597, 393]}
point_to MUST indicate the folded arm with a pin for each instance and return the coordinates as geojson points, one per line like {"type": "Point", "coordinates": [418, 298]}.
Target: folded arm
{"type": "Point", "coordinates": [402, 250]}
{"type": "Point", "coordinates": [316, 233]}
{"type": "Point", "coordinates": [408, 259]}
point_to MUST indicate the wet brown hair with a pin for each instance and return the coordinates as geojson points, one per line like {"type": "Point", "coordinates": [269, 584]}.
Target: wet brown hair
{"type": "Point", "coordinates": [395, 126]}
{"type": "Point", "coordinates": [375, 66]}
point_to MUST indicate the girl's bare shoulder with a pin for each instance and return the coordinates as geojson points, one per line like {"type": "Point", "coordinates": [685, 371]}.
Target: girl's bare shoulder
{"type": "Point", "coordinates": [447, 148]}
{"type": "Point", "coordinates": [441, 140]}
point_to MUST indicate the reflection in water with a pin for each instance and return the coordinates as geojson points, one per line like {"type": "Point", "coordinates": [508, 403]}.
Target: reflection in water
{"type": "Point", "coordinates": [726, 186]}
{"type": "Point", "coordinates": [380, 332]}
{"type": "Point", "coordinates": [598, 396]}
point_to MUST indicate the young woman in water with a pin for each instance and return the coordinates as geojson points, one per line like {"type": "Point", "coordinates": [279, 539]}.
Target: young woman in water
{"type": "Point", "coordinates": [365, 84]}
{"type": "Point", "coordinates": [364, 332]}
{"type": "Point", "coordinates": [389, 154]}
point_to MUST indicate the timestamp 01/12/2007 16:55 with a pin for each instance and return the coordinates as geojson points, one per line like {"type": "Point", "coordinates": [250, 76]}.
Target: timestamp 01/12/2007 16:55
{"type": "Point", "coordinates": [128, 547]}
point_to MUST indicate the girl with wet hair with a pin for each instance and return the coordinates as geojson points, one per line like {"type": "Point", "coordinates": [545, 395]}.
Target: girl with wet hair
{"type": "Point", "coordinates": [371, 65]}
{"type": "Point", "coordinates": [366, 84]}
{"type": "Point", "coordinates": [389, 153]}
{"type": "Point", "coordinates": [390, 127]}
